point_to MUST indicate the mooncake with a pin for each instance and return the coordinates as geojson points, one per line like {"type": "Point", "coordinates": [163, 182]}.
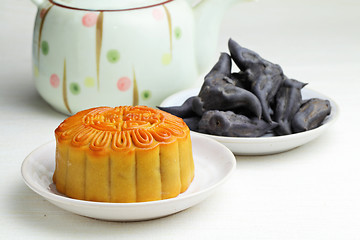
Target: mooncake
{"type": "Point", "coordinates": [123, 154]}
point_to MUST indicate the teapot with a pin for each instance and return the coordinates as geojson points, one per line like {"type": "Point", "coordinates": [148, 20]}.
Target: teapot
{"type": "Point", "coordinates": [89, 53]}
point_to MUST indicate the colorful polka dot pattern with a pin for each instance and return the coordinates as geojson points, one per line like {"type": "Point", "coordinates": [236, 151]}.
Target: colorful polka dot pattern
{"type": "Point", "coordinates": [45, 47]}
{"type": "Point", "coordinates": [113, 56]}
{"type": "Point", "coordinates": [158, 14]}
{"type": "Point", "coordinates": [89, 82]}
{"type": "Point", "coordinates": [55, 83]}
{"type": "Point", "coordinates": [166, 59]}
{"type": "Point", "coordinates": [74, 88]}
{"type": "Point", "coordinates": [177, 33]}
{"type": "Point", "coordinates": [36, 71]}
{"type": "Point", "coordinates": [146, 94]}
{"type": "Point", "coordinates": [123, 84]}
{"type": "Point", "coordinates": [89, 19]}
{"type": "Point", "coordinates": [54, 80]}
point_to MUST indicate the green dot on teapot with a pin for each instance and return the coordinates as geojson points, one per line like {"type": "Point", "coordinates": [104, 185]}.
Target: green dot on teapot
{"type": "Point", "coordinates": [146, 94]}
{"type": "Point", "coordinates": [45, 47]}
{"type": "Point", "coordinates": [74, 88]}
{"type": "Point", "coordinates": [177, 32]}
{"type": "Point", "coordinates": [113, 56]}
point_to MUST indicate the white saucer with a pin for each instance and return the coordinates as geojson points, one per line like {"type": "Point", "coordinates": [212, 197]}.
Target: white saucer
{"type": "Point", "coordinates": [266, 144]}
{"type": "Point", "coordinates": [213, 165]}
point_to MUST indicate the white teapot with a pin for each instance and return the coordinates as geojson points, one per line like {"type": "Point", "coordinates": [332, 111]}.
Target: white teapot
{"type": "Point", "coordinates": [89, 53]}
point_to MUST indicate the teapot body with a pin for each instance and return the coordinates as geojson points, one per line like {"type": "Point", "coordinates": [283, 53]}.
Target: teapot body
{"type": "Point", "coordinates": [89, 58]}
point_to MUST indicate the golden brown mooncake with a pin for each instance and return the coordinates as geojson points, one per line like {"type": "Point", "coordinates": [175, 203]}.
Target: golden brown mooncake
{"type": "Point", "coordinates": [123, 154]}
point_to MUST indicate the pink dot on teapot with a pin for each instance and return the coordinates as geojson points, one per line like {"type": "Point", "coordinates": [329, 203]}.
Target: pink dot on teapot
{"type": "Point", "coordinates": [158, 14]}
{"type": "Point", "coordinates": [54, 80]}
{"type": "Point", "coordinates": [89, 19]}
{"type": "Point", "coordinates": [123, 84]}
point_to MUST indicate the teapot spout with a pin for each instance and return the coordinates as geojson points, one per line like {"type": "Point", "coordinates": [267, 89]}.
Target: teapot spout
{"type": "Point", "coordinates": [208, 15]}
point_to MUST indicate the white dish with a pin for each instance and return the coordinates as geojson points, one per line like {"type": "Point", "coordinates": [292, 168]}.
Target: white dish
{"type": "Point", "coordinates": [213, 165]}
{"type": "Point", "coordinates": [266, 144]}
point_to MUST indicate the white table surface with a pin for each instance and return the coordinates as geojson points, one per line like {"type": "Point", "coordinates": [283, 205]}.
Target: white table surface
{"type": "Point", "coordinates": [312, 192]}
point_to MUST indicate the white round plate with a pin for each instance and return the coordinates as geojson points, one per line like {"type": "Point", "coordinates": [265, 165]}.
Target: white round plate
{"type": "Point", "coordinates": [213, 165]}
{"type": "Point", "coordinates": [266, 144]}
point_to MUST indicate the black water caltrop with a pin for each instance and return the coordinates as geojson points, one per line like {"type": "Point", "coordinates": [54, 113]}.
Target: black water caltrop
{"type": "Point", "coordinates": [183, 111]}
{"type": "Point", "coordinates": [288, 101]}
{"type": "Point", "coordinates": [257, 100]}
{"type": "Point", "coordinates": [220, 92]}
{"type": "Point", "coordinates": [311, 114]}
{"type": "Point", "coordinates": [265, 77]}
{"type": "Point", "coordinates": [233, 125]}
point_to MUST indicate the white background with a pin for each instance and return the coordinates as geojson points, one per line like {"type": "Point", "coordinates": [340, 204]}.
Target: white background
{"type": "Point", "coordinates": [312, 192]}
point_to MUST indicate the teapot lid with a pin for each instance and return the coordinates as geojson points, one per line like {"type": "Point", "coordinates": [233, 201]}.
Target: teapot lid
{"type": "Point", "coordinates": [108, 5]}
